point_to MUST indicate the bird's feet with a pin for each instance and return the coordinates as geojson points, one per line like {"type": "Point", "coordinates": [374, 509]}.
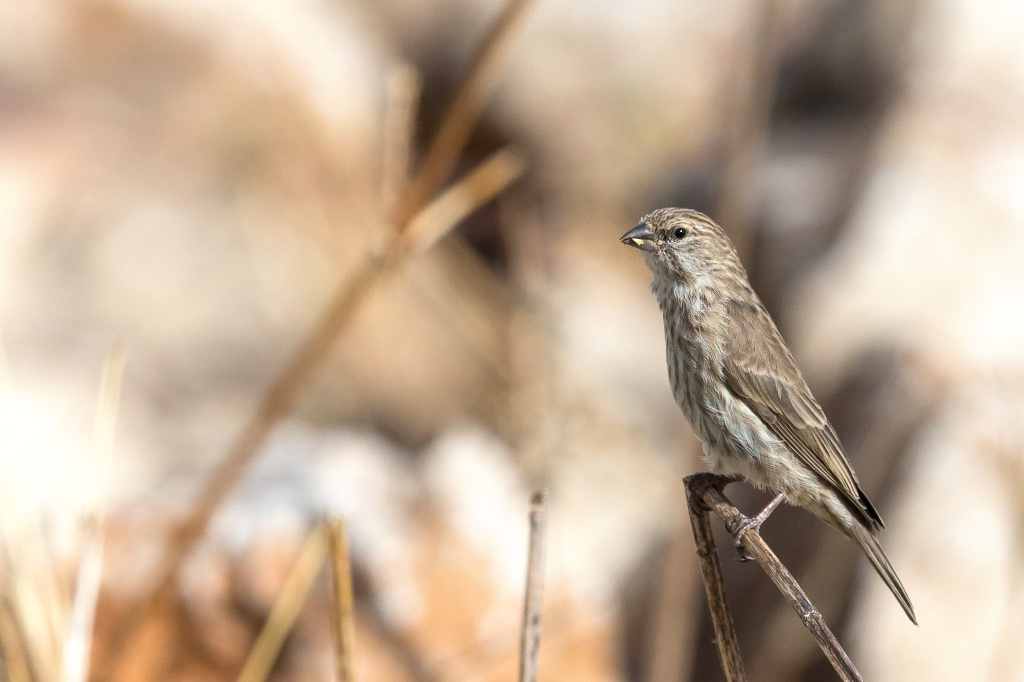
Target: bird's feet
{"type": "Point", "coordinates": [755, 524]}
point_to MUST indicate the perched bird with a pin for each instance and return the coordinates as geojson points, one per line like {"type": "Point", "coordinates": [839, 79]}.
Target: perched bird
{"type": "Point", "coordinates": [739, 387]}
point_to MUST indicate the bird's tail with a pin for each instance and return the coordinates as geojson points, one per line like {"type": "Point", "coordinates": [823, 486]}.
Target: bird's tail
{"type": "Point", "coordinates": [863, 537]}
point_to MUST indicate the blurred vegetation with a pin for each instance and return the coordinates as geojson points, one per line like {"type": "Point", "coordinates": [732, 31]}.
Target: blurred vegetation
{"type": "Point", "coordinates": [362, 261]}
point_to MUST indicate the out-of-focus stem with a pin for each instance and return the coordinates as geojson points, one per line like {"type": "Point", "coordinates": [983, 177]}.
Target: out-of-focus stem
{"type": "Point", "coordinates": [344, 614]}
{"type": "Point", "coordinates": [534, 600]}
{"type": "Point", "coordinates": [286, 609]}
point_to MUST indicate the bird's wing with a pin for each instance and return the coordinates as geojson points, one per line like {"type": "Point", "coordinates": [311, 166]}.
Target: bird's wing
{"type": "Point", "coordinates": [760, 371]}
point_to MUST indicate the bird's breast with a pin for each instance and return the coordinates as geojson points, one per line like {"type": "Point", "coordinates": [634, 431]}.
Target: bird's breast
{"type": "Point", "coordinates": [691, 373]}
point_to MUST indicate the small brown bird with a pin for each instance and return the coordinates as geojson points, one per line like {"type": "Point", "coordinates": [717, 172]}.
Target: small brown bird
{"type": "Point", "coordinates": [739, 387]}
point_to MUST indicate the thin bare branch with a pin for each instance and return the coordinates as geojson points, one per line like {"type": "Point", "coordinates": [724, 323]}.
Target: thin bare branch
{"type": "Point", "coordinates": [711, 570]}
{"type": "Point", "coordinates": [707, 489]}
{"type": "Point", "coordinates": [474, 190]}
{"type": "Point", "coordinates": [534, 601]}
{"type": "Point", "coordinates": [344, 614]}
{"type": "Point", "coordinates": [286, 609]}
{"type": "Point", "coordinates": [457, 125]}
{"type": "Point", "coordinates": [445, 148]}
{"type": "Point", "coordinates": [484, 183]}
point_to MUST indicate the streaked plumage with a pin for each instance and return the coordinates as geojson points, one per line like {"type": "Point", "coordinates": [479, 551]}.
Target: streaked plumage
{"type": "Point", "coordinates": [737, 383]}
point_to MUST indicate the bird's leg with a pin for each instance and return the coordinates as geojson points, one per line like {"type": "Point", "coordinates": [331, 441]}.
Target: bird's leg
{"type": "Point", "coordinates": [755, 524]}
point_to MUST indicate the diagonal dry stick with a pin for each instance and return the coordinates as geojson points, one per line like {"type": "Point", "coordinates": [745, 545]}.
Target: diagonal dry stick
{"type": "Point", "coordinates": [705, 493]}
{"type": "Point", "coordinates": [458, 122]}
{"type": "Point", "coordinates": [481, 185]}
{"type": "Point", "coordinates": [445, 149]}
{"type": "Point", "coordinates": [260, 662]}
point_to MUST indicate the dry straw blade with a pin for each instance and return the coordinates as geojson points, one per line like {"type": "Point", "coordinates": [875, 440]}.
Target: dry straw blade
{"type": "Point", "coordinates": [458, 122]}
{"type": "Point", "coordinates": [344, 611]}
{"type": "Point", "coordinates": [46, 606]}
{"type": "Point", "coordinates": [286, 609]}
{"type": "Point", "coordinates": [481, 185]}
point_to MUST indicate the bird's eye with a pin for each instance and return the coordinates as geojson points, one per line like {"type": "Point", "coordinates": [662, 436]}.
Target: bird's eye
{"type": "Point", "coordinates": [679, 232]}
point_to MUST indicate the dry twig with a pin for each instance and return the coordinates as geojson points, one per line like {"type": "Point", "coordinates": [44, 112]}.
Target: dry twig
{"type": "Point", "coordinates": [446, 146]}
{"type": "Point", "coordinates": [711, 570]}
{"type": "Point", "coordinates": [532, 604]}
{"type": "Point", "coordinates": [458, 122]}
{"type": "Point", "coordinates": [344, 617]}
{"type": "Point", "coordinates": [286, 609]}
{"type": "Point", "coordinates": [705, 494]}
{"type": "Point", "coordinates": [430, 225]}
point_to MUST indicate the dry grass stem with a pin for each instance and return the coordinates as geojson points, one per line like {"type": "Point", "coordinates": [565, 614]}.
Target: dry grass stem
{"type": "Point", "coordinates": [476, 85]}
{"type": "Point", "coordinates": [476, 189]}
{"type": "Point", "coordinates": [481, 185]}
{"type": "Point", "coordinates": [286, 609]}
{"type": "Point", "coordinates": [706, 491]}
{"type": "Point", "coordinates": [78, 641]}
{"type": "Point", "coordinates": [534, 600]}
{"type": "Point", "coordinates": [48, 599]}
{"type": "Point", "coordinates": [344, 612]}
{"type": "Point", "coordinates": [711, 570]}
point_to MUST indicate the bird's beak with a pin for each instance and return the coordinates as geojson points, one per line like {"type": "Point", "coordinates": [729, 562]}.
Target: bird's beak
{"type": "Point", "coordinates": [640, 237]}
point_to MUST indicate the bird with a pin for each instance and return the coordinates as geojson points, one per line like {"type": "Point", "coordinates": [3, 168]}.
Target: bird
{"type": "Point", "coordinates": [736, 381]}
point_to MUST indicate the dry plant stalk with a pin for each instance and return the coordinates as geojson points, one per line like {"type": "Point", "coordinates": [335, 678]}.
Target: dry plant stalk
{"type": "Point", "coordinates": [344, 613]}
{"type": "Point", "coordinates": [711, 571]}
{"type": "Point", "coordinates": [534, 600]}
{"type": "Point", "coordinates": [705, 494]}
{"type": "Point", "coordinates": [46, 622]}
{"type": "Point", "coordinates": [480, 186]}
{"type": "Point", "coordinates": [477, 188]}
{"type": "Point", "coordinates": [451, 137]}
{"type": "Point", "coordinates": [286, 609]}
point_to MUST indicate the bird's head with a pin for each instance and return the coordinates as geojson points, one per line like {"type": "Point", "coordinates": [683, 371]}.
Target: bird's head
{"type": "Point", "coordinates": [682, 244]}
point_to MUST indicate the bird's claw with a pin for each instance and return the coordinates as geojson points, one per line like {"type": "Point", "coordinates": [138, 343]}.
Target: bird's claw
{"type": "Point", "coordinates": [753, 524]}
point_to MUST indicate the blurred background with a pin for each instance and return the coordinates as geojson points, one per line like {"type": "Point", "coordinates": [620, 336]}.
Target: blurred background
{"type": "Point", "coordinates": [248, 208]}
